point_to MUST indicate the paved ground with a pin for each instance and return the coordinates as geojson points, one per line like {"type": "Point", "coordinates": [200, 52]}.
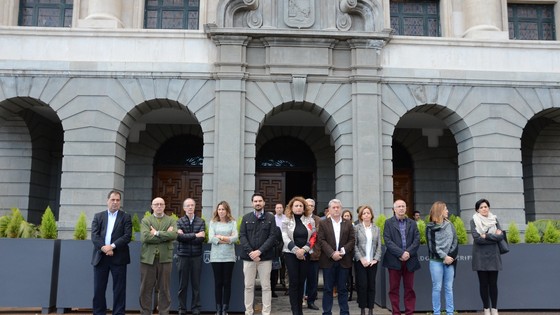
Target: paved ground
{"type": "Point", "coordinates": [281, 306]}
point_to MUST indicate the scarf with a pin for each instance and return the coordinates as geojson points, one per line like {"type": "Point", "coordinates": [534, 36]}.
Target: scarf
{"type": "Point", "coordinates": [485, 224]}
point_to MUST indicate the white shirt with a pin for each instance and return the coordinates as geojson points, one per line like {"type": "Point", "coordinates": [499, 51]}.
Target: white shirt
{"type": "Point", "coordinates": [336, 229]}
{"type": "Point", "coordinates": [369, 240]}
{"type": "Point", "coordinates": [111, 218]}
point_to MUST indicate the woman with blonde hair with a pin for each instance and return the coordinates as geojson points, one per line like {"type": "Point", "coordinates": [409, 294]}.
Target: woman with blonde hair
{"type": "Point", "coordinates": [298, 234]}
{"type": "Point", "coordinates": [442, 251]}
{"type": "Point", "coordinates": [223, 235]}
{"type": "Point", "coordinates": [367, 254]}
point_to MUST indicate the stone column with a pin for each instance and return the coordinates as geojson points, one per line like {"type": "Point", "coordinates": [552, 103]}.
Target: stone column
{"type": "Point", "coordinates": [366, 116]}
{"type": "Point", "coordinates": [102, 14]}
{"type": "Point", "coordinates": [231, 172]}
{"type": "Point", "coordinates": [484, 19]}
{"type": "Point", "coordinates": [8, 13]}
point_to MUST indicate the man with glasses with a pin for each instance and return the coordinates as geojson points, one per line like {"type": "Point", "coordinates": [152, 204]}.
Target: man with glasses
{"type": "Point", "coordinates": [190, 236]}
{"type": "Point", "coordinates": [157, 233]}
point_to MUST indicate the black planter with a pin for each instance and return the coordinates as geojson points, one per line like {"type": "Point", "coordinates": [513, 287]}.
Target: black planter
{"type": "Point", "coordinates": [75, 280]}
{"type": "Point", "coordinates": [528, 281]}
{"type": "Point", "coordinates": [29, 273]}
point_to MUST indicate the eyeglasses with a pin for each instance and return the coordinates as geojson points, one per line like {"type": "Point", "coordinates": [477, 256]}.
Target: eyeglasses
{"type": "Point", "coordinates": [158, 204]}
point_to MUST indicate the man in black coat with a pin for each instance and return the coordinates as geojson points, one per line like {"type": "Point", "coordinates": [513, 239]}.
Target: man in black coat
{"type": "Point", "coordinates": [402, 240]}
{"type": "Point", "coordinates": [257, 237]}
{"type": "Point", "coordinates": [111, 231]}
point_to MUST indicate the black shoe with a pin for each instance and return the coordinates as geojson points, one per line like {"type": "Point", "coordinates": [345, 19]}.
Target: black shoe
{"type": "Point", "coordinates": [312, 306]}
{"type": "Point", "coordinates": [274, 295]}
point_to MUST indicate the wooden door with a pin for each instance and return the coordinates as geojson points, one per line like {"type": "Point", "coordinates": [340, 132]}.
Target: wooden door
{"type": "Point", "coordinates": [273, 186]}
{"type": "Point", "coordinates": [403, 188]}
{"type": "Point", "coordinates": [176, 185]}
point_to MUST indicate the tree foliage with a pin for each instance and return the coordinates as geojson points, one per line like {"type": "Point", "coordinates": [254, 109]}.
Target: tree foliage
{"type": "Point", "coordinates": [422, 230]}
{"type": "Point", "coordinates": [12, 230]}
{"type": "Point", "coordinates": [532, 234]}
{"type": "Point", "coordinates": [380, 222]}
{"type": "Point", "coordinates": [461, 231]}
{"type": "Point", "coordinates": [48, 227]}
{"type": "Point", "coordinates": [513, 235]}
{"type": "Point", "coordinates": [80, 231]}
{"type": "Point", "coordinates": [551, 234]}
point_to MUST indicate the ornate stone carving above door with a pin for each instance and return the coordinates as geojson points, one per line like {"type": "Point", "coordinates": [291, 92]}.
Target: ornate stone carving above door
{"type": "Point", "coordinates": [333, 15]}
{"type": "Point", "coordinates": [299, 13]}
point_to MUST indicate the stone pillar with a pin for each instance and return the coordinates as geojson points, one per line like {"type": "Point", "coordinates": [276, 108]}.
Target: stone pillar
{"type": "Point", "coordinates": [484, 19]}
{"type": "Point", "coordinates": [102, 14]}
{"type": "Point", "coordinates": [231, 173]}
{"type": "Point", "coordinates": [366, 116]}
{"type": "Point", "coordinates": [8, 13]}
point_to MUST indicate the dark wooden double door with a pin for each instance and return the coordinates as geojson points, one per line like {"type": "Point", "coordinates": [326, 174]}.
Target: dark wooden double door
{"type": "Point", "coordinates": [175, 185]}
{"type": "Point", "coordinates": [281, 186]}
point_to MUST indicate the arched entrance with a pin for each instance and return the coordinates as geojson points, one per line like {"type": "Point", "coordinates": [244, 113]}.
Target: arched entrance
{"type": "Point", "coordinates": [286, 167]}
{"type": "Point", "coordinates": [178, 173]}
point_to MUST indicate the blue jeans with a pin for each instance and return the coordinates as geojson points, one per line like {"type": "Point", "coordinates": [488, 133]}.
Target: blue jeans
{"type": "Point", "coordinates": [335, 276]}
{"type": "Point", "coordinates": [442, 275]}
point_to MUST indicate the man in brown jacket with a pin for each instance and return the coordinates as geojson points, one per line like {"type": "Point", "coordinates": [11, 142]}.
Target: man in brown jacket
{"type": "Point", "coordinates": [336, 240]}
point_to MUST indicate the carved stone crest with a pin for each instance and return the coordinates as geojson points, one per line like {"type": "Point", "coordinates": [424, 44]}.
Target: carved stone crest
{"type": "Point", "coordinates": [299, 13]}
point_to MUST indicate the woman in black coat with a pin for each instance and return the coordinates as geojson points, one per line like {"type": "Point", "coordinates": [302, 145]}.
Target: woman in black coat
{"type": "Point", "coordinates": [486, 259]}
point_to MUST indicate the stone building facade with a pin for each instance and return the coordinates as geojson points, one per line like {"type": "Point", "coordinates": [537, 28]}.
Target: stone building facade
{"type": "Point", "coordinates": [312, 97]}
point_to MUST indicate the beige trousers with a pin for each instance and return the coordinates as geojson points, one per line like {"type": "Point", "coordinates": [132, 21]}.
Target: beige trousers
{"type": "Point", "coordinates": [250, 270]}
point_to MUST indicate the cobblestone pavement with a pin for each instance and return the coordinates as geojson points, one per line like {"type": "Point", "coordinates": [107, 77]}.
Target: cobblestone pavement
{"type": "Point", "coordinates": [281, 306]}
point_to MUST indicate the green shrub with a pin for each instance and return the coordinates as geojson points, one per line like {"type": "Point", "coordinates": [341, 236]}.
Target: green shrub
{"type": "Point", "coordinates": [461, 231]}
{"type": "Point", "coordinates": [532, 234]}
{"type": "Point", "coordinates": [513, 235]}
{"type": "Point", "coordinates": [380, 222]}
{"type": "Point", "coordinates": [12, 230]}
{"type": "Point", "coordinates": [135, 226]}
{"type": "Point", "coordinates": [80, 231]}
{"type": "Point", "coordinates": [4, 221]}
{"type": "Point", "coordinates": [27, 230]}
{"type": "Point", "coordinates": [551, 234]}
{"type": "Point", "coordinates": [422, 230]}
{"type": "Point", "coordinates": [48, 225]}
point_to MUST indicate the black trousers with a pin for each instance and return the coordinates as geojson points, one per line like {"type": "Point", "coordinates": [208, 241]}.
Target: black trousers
{"type": "Point", "coordinates": [297, 273]}
{"type": "Point", "coordinates": [222, 281]}
{"type": "Point", "coordinates": [100, 280]}
{"type": "Point", "coordinates": [365, 284]}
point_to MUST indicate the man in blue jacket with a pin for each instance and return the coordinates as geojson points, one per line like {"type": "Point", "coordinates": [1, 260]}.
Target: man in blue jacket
{"type": "Point", "coordinates": [190, 236]}
{"type": "Point", "coordinates": [402, 240]}
{"type": "Point", "coordinates": [257, 237]}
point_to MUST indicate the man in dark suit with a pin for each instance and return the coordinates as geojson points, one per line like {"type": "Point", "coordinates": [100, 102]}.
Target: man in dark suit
{"type": "Point", "coordinates": [336, 239]}
{"type": "Point", "coordinates": [402, 240]}
{"type": "Point", "coordinates": [111, 231]}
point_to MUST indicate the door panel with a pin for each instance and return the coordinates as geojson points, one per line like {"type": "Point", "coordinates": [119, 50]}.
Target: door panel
{"type": "Point", "coordinates": [272, 186]}
{"type": "Point", "coordinates": [403, 188]}
{"type": "Point", "coordinates": [176, 185]}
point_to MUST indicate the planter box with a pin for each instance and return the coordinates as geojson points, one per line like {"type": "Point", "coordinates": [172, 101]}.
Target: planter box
{"type": "Point", "coordinates": [527, 281]}
{"type": "Point", "coordinates": [29, 273]}
{"type": "Point", "coordinates": [76, 272]}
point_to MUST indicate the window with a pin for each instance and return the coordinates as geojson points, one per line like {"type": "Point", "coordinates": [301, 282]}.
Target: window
{"type": "Point", "coordinates": [531, 21]}
{"type": "Point", "coordinates": [45, 13]}
{"type": "Point", "coordinates": [415, 17]}
{"type": "Point", "coordinates": [171, 14]}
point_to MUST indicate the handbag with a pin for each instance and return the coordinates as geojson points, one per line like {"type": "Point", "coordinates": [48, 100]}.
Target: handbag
{"type": "Point", "coordinates": [503, 244]}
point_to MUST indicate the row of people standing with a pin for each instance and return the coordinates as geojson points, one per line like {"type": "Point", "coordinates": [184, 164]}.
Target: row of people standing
{"type": "Point", "coordinates": [335, 241]}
